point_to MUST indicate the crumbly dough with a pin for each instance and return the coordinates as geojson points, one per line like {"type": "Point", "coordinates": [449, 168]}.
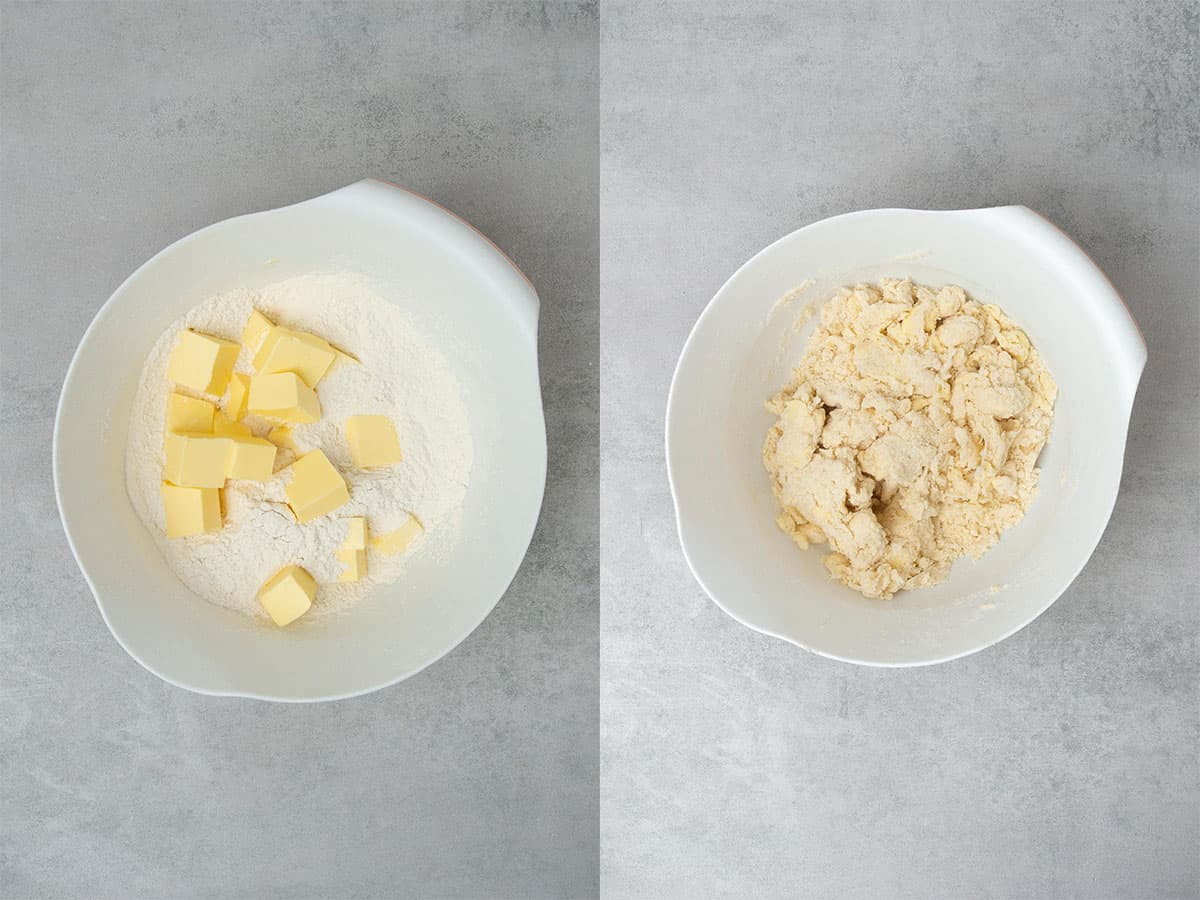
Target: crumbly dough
{"type": "Point", "coordinates": [909, 434]}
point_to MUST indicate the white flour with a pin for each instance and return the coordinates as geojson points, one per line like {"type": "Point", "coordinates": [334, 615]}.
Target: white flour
{"type": "Point", "coordinates": [398, 376]}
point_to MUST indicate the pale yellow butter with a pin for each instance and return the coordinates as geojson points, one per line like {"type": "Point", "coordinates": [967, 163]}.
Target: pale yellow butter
{"type": "Point", "coordinates": [356, 536]}
{"type": "Point", "coordinates": [373, 441]}
{"type": "Point", "coordinates": [257, 328]}
{"type": "Point", "coordinates": [395, 542]}
{"type": "Point", "coordinates": [283, 396]}
{"type": "Point", "coordinates": [285, 350]}
{"type": "Point", "coordinates": [239, 395]}
{"type": "Point", "coordinates": [353, 552]}
{"type": "Point", "coordinates": [343, 355]}
{"type": "Point", "coordinates": [287, 595]}
{"type": "Point", "coordinates": [186, 413]}
{"type": "Point", "coordinates": [191, 510]}
{"type": "Point", "coordinates": [202, 363]}
{"type": "Point", "coordinates": [316, 487]}
{"type": "Point", "coordinates": [224, 425]}
{"type": "Point", "coordinates": [281, 436]}
{"type": "Point", "coordinates": [355, 562]}
{"type": "Point", "coordinates": [196, 460]}
{"type": "Point", "coordinates": [251, 458]}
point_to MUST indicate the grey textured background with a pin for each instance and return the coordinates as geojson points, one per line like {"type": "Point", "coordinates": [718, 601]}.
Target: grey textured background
{"type": "Point", "coordinates": [128, 126]}
{"type": "Point", "coordinates": [1061, 763]}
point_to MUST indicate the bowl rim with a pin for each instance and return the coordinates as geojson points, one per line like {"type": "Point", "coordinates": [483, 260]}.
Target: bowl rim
{"type": "Point", "coordinates": [1027, 217]}
{"type": "Point", "coordinates": [495, 255]}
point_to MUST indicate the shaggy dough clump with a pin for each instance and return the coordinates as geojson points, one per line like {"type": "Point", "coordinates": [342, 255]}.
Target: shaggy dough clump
{"type": "Point", "coordinates": [909, 434]}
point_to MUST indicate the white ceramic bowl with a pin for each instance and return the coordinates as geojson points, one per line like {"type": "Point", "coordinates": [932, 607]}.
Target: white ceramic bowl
{"type": "Point", "coordinates": [742, 350]}
{"type": "Point", "coordinates": [463, 295]}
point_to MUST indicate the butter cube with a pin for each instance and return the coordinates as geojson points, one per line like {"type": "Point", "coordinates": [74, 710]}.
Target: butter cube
{"type": "Point", "coordinates": [257, 328]}
{"type": "Point", "coordinates": [284, 350]}
{"type": "Point", "coordinates": [394, 542]}
{"type": "Point", "coordinates": [191, 510]}
{"type": "Point", "coordinates": [316, 487]}
{"type": "Point", "coordinates": [196, 460]}
{"type": "Point", "coordinates": [355, 562]}
{"type": "Point", "coordinates": [356, 537]}
{"type": "Point", "coordinates": [239, 394]}
{"type": "Point", "coordinates": [186, 413]}
{"type": "Point", "coordinates": [353, 552]}
{"type": "Point", "coordinates": [373, 441]}
{"type": "Point", "coordinates": [283, 396]}
{"type": "Point", "coordinates": [222, 424]}
{"type": "Point", "coordinates": [281, 436]}
{"type": "Point", "coordinates": [251, 458]}
{"type": "Point", "coordinates": [344, 355]}
{"type": "Point", "coordinates": [287, 595]}
{"type": "Point", "coordinates": [202, 362]}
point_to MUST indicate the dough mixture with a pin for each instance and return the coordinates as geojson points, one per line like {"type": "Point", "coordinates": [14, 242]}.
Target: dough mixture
{"type": "Point", "coordinates": [909, 434]}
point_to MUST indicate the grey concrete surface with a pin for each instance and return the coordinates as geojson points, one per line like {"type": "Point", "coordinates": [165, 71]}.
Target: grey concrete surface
{"type": "Point", "coordinates": [1060, 763]}
{"type": "Point", "coordinates": [126, 126]}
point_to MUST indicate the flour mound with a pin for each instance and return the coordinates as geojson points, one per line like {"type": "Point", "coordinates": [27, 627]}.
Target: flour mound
{"type": "Point", "coordinates": [397, 375]}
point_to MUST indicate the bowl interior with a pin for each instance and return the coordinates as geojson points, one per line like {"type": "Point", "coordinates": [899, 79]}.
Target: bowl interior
{"type": "Point", "coordinates": [463, 298]}
{"type": "Point", "coordinates": [743, 349]}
